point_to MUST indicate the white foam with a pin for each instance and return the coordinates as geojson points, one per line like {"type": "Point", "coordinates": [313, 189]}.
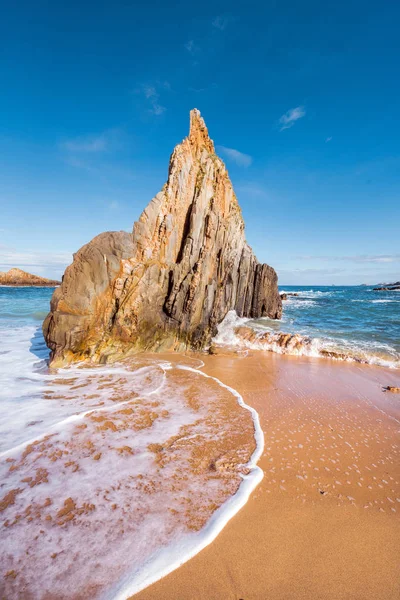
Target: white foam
{"type": "Point", "coordinates": [78, 396]}
{"type": "Point", "coordinates": [306, 294]}
{"type": "Point", "coordinates": [168, 559]}
{"type": "Point", "coordinates": [370, 352]}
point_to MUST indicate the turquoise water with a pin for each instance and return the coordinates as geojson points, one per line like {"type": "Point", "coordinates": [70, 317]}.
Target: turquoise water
{"type": "Point", "coordinates": [346, 319]}
{"type": "Point", "coordinates": [23, 306]}
{"type": "Point", "coordinates": [353, 320]}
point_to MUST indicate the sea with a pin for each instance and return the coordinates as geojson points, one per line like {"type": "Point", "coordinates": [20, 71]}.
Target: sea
{"type": "Point", "coordinates": [351, 323]}
{"type": "Point", "coordinates": [108, 473]}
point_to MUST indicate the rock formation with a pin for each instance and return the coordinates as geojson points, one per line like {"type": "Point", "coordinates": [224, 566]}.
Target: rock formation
{"type": "Point", "coordinates": [285, 295]}
{"type": "Point", "coordinates": [17, 277]}
{"type": "Point", "coordinates": [172, 281]}
{"type": "Point", "coordinates": [388, 287]}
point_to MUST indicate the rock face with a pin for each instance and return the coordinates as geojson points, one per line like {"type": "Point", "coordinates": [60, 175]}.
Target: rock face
{"type": "Point", "coordinates": [22, 278]}
{"type": "Point", "coordinates": [170, 283]}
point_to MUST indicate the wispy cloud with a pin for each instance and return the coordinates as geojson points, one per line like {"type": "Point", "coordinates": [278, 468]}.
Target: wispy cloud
{"type": "Point", "coordinates": [358, 258]}
{"type": "Point", "coordinates": [78, 163]}
{"type": "Point", "coordinates": [241, 159]}
{"type": "Point", "coordinates": [192, 47]}
{"type": "Point", "coordinates": [151, 92]}
{"type": "Point", "coordinates": [328, 139]}
{"type": "Point", "coordinates": [380, 258]}
{"type": "Point", "coordinates": [86, 144]}
{"type": "Point", "coordinates": [291, 116]}
{"type": "Point", "coordinates": [34, 260]}
{"type": "Point", "coordinates": [251, 189]}
{"type": "Point", "coordinates": [221, 22]}
{"type": "Point", "coordinates": [91, 144]}
{"type": "Point", "coordinates": [208, 88]}
{"type": "Point", "coordinates": [313, 271]}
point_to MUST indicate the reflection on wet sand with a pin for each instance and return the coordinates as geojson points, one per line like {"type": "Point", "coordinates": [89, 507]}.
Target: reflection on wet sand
{"type": "Point", "coordinates": [324, 522]}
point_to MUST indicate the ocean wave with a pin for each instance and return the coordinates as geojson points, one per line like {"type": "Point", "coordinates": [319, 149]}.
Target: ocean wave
{"type": "Point", "coordinates": [143, 460]}
{"type": "Point", "coordinates": [246, 334]}
{"type": "Point", "coordinates": [308, 293]}
{"type": "Point", "coordinates": [379, 301]}
{"type": "Point", "coordinates": [38, 315]}
{"type": "Point", "coordinates": [301, 302]}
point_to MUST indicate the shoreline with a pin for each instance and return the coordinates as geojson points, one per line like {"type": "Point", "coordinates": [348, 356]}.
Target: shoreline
{"type": "Point", "coordinates": [221, 516]}
{"type": "Point", "coordinates": [208, 444]}
{"type": "Point", "coordinates": [27, 285]}
{"type": "Point", "coordinates": [314, 533]}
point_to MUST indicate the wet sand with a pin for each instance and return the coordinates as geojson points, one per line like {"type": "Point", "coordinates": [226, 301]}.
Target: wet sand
{"type": "Point", "coordinates": [324, 522]}
{"type": "Point", "coordinates": [146, 455]}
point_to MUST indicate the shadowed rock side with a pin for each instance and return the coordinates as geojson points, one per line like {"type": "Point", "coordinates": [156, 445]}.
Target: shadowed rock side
{"type": "Point", "coordinates": [170, 283]}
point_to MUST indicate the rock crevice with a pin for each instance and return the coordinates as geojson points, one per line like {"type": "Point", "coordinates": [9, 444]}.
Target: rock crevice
{"type": "Point", "coordinates": [172, 281]}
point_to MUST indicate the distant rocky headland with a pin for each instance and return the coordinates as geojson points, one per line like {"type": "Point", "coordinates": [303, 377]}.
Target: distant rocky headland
{"type": "Point", "coordinates": [170, 283]}
{"type": "Point", "coordinates": [388, 287]}
{"type": "Point", "coordinates": [18, 278]}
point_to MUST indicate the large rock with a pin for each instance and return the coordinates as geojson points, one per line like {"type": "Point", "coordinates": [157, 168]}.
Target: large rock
{"type": "Point", "coordinates": [170, 283]}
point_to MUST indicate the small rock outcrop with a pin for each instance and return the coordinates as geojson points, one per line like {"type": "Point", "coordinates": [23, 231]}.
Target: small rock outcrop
{"type": "Point", "coordinates": [17, 277]}
{"type": "Point", "coordinates": [388, 287]}
{"type": "Point", "coordinates": [286, 295]}
{"type": "Point", "coordinates": [170, 283]}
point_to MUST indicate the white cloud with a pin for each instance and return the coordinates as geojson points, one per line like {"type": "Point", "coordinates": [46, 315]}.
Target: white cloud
{"type": "Point", "coordinates": [192, 48]}
{"type": "Point", "coordinates": [291, 116]}
{"type": "Point", "coordinates": [313, 271]}
{"type": "Point", "coordinates": [251, 189]}
{"type": "Point", "coordinates": [241, 159]}
{"type": "Point", "coordinates": [150, 92]}
{"type": "Point", "coordinates": [97, 143]}
{"type": "Point", "coordinates": [35, 261]}
{"type": "Point", "coordinates": [105, 141]}
{"type": "Point", "coordinates": [73, 161]}
{"type": "Point", "coordinates": [358, 258]}
{"type": "Point", "coordinates": [380, 258]}
{"type": "Point", "coordinates": [328, 139]}
{"type": "Point", "coordinates": [157, 109]}
{"type": "Point", "coordinates": [221, 22]}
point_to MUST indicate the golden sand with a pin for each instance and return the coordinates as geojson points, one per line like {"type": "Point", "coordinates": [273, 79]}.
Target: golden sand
{"type": "Point", "coordinates": [324, 522]}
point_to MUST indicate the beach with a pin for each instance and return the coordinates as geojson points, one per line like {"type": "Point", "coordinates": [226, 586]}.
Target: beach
{"type": "Point", "coordinates": [324, 521]}
{"type": "Point", "coordinates": [243, 474]}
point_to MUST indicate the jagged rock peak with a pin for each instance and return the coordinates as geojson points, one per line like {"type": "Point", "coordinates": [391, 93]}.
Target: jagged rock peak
{"type": "Point", "coordinates": [198, 132]}
{"type": "Point", "coordinates": [169, 284]}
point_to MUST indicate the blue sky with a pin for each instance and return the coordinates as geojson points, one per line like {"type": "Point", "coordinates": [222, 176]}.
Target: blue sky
{"type": "Point", "coordinates": [301, 99]}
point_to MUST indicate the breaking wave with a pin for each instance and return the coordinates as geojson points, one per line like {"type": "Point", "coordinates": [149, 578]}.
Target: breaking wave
{"type": "Point", "coordinates": [113, 476]}
{"type": "Point", "coordinates": [258, 334]}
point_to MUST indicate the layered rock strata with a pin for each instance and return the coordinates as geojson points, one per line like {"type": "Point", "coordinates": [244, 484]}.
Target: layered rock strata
{"type": "Point", "coordinates": [172, 281]}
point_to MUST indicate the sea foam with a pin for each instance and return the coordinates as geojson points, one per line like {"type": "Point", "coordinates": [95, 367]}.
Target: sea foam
{"type": "Point", "coordinates": [269, 336]}
{"type": "Point", "coordinates": [115, 475]}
